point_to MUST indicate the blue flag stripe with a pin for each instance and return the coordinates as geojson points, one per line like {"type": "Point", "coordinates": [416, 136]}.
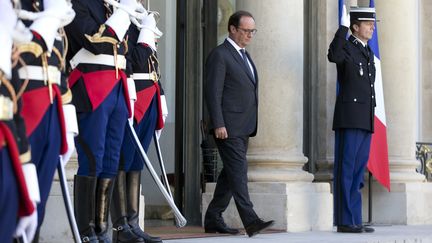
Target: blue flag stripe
{"type": "Point", "coordinates": [373, 43]}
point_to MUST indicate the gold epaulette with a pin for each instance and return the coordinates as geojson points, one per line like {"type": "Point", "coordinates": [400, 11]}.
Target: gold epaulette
{"type": "Point", "coordinates": [31, 47]}
{"type": "Point", "coordinates": [100, 38]}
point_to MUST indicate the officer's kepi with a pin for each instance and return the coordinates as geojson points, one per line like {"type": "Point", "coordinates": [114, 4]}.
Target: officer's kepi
{"type": "Point", "coordinates": [362, 14]}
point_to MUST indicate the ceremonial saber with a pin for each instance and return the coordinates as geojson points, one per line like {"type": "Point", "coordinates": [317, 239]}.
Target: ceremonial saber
{"type": "Point", "coordinates": [67, 202]}
{"type": "Point", "coordinates": [180, 219]}
{"type": "Point", "coordinates": [162, 164]}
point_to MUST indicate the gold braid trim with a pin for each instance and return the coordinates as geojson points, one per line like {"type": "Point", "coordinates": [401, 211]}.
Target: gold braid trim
{"type": "Point", "coordinates": [31, 47]}
{"type": "Point", "coordinates": [67, 97]}
{"type": "Point", "coordinates": [25, 157]}
{"type": "Point", "coordinates": [99, 38]}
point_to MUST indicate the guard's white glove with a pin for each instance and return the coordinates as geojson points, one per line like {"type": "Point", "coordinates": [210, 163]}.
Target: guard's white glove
{"type": "Point", "coordinates": [60, 9]}
{"type": "Point", "coordinates": [8, 17]}
{"type": "Point", "coordinates": [28, 224]}
{"type": "Point", "coordinates": [345, 18]}
{"type": "Point", "coordinates": [119, 21]}
{"type": "Point", "coordinates": [164, 108]}
{"type": "Point", "coordinates": [8, 21]}
{"type": "Point", "coordinates": [149, 31]}
{"type": "Point", "coordinates": [132, 98]}
{"type": "Point", "coordinates": [71, 131]}
{"type": "Point", "coordinates": [21, 33]}
{"type": "Point", "coordinates": [140, 13]}
{"type": "Point", "coordinates": [47, 25]}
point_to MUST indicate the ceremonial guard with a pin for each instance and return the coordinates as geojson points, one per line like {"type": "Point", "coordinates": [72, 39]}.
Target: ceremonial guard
{"type": "Point", "coordinates": [19, 190]}
{"type": "Point", "coordinates": [150, 111]}
{"type": "Point", "coordinates": [353, 120]}
{"type": "Point", "coordinates": [45, 93]}
{"type": "Point", "coordinates": [97, 39]}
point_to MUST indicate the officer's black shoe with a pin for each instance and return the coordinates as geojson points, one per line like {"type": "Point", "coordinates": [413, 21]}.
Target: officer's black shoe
{"type": "Point", "coordinates": [147, 238]}
{"type": "Point", "coordinates": [368, 229]}
{"type": "Point", "coordinates": [132, 189]}
{"type": "Point", "coordinates": [220, 227]}
{"type": "Point", "coordinates": [122, 233]}
{"type": "Point", "coordinates": [349, 229]}
{"type": "Point", "coordinates": [257, 226]}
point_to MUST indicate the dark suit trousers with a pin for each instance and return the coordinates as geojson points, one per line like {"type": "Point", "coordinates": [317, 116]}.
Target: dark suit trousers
{"type": "Point", "coordinates": [232, 182]}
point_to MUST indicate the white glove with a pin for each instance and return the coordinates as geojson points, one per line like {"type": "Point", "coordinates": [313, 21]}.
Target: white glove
{"type": "Point", "coordinates": [149, 31]}
{"type": "Point", "coordinates": [164, 108]}
{"type": "Point", "coordinates": [8, 21]}
{"type": "Point", "coordinates": [132, 98]}
{"type": "Point", "coordinates": [132, 4]}
{"type": "Point", "coordinates": [47, 27]}
{"type": "Point", "coordinates": [27, 226]}
{"type": "Point", "coordinates": [8, 17]}
{"type": "Point", "coordinates": [21, 34]}
{"type": "Point", "coordinates": [71, 131]}
{"type": "Point", "coordinates": [345, 18]}
{"type": "Point", "coordinates": [60, 9]}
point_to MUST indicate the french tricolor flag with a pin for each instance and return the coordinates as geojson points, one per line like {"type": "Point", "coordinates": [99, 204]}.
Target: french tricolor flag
{"type": "Point", "coordinates": [378, 163]}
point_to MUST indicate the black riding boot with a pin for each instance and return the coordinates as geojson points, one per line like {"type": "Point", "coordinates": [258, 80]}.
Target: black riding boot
{"type": "Point", "coordinates": [84, 207]}
{"type": "Point", "coordinates": [104, 191]}
{"type": "Point", "coordinates": [122, 232]}
{"type": "Point", "coordinates": [133, 182]}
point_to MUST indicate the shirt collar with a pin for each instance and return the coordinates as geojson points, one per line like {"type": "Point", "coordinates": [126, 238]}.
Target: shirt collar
{"type": "Point", "coordinates": [238, 48]}
{"type": "Point", "coordinates": [361, 42]}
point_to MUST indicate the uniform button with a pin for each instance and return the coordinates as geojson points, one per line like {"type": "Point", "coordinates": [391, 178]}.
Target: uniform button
{"type": "Point", "coordinates": [369, 63]}
{"type": "Point", "coordinates": [370, 74]}
{"type": "Point", "coordinates": [355, 100]}
{"type": "Point", "coordinates": [371, 85]}
{"type": "Point", "coordinates": [373, 96]}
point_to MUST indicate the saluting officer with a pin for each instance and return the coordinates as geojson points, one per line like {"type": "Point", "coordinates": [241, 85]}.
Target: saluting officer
{"type": "Point", "coordinates": [353, 120]}
{"type": "Point", "coordinates": [97, 38]}
{"type": "Point", "coordinates": [150, 111]}
{"type": "Point", "coordinates": [45, 91]}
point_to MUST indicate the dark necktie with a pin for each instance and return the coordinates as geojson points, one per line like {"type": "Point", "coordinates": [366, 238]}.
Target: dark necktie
{"type": "Point", "coordinates": [246, 63]}
{"type": "Point", "coordinates": [367, 50]}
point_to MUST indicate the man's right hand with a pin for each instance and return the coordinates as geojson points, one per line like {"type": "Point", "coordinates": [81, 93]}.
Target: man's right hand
{"type": "Point", "coordinates": [221, 133]}
{"type": "Point", "coordinates": [345, 18]}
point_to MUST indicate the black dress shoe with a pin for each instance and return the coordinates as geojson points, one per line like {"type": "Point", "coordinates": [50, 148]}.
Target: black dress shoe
{"type": "Point", "coordinates": [349, 229]}
{"type": "Point", "coordinates": [257, 226]}
{"type": "Point", "coordinates": [368, 229]}
{"type": "Point", "coordinates": [220, 227]}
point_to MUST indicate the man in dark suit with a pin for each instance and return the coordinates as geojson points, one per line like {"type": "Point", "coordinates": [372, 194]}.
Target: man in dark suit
{"type": "Point", "coordinates": [353, 120]}
{"type": "Point", "coordinates": [231, 93]}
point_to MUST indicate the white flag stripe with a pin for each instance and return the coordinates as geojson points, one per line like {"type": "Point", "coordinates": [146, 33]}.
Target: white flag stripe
{"type": "Point", "coordinates": [379, 93]}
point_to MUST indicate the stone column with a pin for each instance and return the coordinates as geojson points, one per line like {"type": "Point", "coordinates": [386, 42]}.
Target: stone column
{"type": "Point", "coordinates": [400, 62]}
{"type": "Point", "coordinates": [275, 155]}
{"type": "Point", "coordinates": [425, 93]}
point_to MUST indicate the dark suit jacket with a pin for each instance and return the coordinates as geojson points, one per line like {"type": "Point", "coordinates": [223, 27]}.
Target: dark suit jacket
{"type": "Point", "coordinates": [231, 93]}
{"type": "Point", "coordinates": [355, 102]}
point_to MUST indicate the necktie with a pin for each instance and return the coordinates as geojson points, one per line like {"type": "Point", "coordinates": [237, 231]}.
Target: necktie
{"type": "Point", "coordinates": [246, 63]}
